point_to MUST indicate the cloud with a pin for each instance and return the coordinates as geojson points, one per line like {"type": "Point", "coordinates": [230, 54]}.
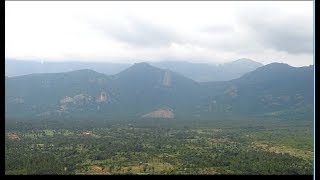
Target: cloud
{"type": "Point", "coordinates": [201, 31]}
{"type": "Point", "coordinates": [138, 32]}
{"type": "Point", "coordinates": [292, 33]}
{"type": "Point", "coordinates": [218, 29]}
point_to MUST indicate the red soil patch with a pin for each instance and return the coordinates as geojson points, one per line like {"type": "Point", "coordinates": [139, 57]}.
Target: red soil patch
{"type": "Point", "coordinates": [96, 168]}
{"type": "Point", "coordinates": [13, 136]}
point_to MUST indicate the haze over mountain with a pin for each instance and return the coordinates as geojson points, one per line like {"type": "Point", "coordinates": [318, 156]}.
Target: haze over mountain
{"type": "Point", "coordinates": [271, 90]}
{"type": "Point", "coordinates": [200, 72]}
{"type": "Point", "coordinates": [23, 67]}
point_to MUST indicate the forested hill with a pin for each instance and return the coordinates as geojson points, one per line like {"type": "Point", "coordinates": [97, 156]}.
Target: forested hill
{"type": "Point", "coordinates": [274, 89]}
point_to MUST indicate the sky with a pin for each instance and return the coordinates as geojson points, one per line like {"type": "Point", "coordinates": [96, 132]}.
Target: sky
{"type": "Point", "coordinates": [129, 32]}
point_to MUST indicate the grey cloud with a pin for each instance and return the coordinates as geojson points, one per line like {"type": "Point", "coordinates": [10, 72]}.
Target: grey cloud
{"type": "Point", "coordinates": [292, 34]}
{"type": "Point", "coordinates": [139, 33]}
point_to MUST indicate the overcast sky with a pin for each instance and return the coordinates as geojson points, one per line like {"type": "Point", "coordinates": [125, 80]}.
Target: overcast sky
{"type": "Point", "coordinates": [205, 31]}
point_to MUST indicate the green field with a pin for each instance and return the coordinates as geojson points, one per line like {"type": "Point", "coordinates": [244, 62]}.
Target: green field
{"type": "Point", "coordinates": [158, 148]}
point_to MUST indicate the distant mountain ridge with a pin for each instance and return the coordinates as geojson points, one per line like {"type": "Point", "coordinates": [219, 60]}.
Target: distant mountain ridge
{"type": "Point", "coordinates": [200, 72]}
{"type": "Point", "coordinates": [21, 67]}
{"type": "Point", "coordinates": [272, 90]}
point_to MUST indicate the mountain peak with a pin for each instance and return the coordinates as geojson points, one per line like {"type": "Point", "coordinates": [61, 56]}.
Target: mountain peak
{"type": "Point", "coordinates": [141, 70]}
{"type": "Point", "coordinates": [140, 67]}
{"type": "Point", "coordinates": [276, 66]}
{"type": "Point", "coordinates": [142, 64]}
{"type": "Point", "coordinates": [246, 61]}
{"type": "Point", "coordinates": [270, 72]}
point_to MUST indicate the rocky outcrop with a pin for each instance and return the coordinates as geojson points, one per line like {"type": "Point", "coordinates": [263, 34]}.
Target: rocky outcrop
{"type": "Point", "coordinates": [18, 100]}
{"type": "Point", "coordinates": [167, 79]}
{"type": "Point", "coordinates": [161, 113]}
{"type": "Point", "coordinates": [78, 99]}
{"type": "Point", "coordinates": [73, 102]}
{"type": "Point", "coordinates": [232, 91]}
{"type": "Point", "coordinates": [102, 98]}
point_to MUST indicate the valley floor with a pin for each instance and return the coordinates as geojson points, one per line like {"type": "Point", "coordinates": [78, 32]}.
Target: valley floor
{"type": "Point", "coordinates": [130, 149]}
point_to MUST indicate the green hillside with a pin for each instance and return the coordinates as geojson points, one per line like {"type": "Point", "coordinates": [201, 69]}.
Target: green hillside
{"type": "Point", "coordinates": [271, 90]}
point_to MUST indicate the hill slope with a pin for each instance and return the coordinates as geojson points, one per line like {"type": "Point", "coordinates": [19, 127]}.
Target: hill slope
{"type": "Point", "coordinates": [274, 89]}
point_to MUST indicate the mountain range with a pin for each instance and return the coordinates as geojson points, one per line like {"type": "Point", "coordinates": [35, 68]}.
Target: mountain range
{"type": "Point", "coordinates": [146, 91]}
{"type": "Point", "coordinates": [200, 72]}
